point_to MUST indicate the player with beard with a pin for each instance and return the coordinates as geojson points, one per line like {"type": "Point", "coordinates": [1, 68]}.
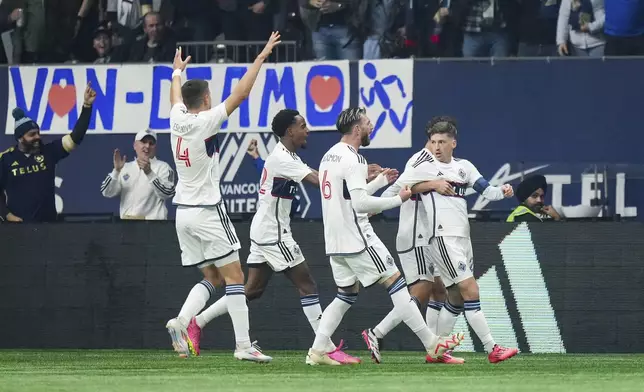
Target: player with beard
{"type": "Point", "coordinates": [28, 170]}
{"type": "Point", "coordinates": [356, 254]}
{"type": "Point", "coordinates": [273, 248]}
{"type": "Point", "coordinates": [531, 193]}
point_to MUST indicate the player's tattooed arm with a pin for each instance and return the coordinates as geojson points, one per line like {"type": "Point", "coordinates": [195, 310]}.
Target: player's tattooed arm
{"type": "Point", "coordinates": [313, 178]}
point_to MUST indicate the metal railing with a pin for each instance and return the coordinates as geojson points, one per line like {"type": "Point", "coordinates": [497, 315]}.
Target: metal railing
{"type": "Point", "coordinates": [237, 51]}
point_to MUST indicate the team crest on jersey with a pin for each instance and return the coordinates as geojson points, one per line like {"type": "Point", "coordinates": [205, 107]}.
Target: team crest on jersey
{"type": "Point", "coordinates": [40, 158]}
{"type": "Point", "coordinates": [390, 260]}
{"type": "Point", "coordinates": [126, 177]}
{"type": "Point", "coordinates": [462, 266]}
{"type": "Point", "coordinates": [461, 173]}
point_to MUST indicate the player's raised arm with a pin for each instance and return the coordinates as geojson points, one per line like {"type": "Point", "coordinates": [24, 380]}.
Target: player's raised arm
{"type": "Point", "coordinates": [245, 85]}
{"type": "Point", "coordinates": [178, 65]}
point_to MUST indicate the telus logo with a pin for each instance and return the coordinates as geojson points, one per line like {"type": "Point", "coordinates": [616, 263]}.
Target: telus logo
{"type": "Point", "coordinates": [530, 293]}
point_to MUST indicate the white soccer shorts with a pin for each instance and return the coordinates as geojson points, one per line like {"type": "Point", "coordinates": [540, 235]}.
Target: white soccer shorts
{"type": "Point", "coordinates": [372, 266]}
{"type": "Point", "coordinates": [206, 236]}
{"type": "Point", "coordinates": [453, 257]}
{"type": "Point", "coordinates": [417, 265]}
{"type": "Point", "coordinates": [280, 257]}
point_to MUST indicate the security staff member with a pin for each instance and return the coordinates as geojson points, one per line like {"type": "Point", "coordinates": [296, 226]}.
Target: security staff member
{"type": "Point", "coordinates": [531, 194]}
{"type": "Point", "coordinates": [144, 184]}
{"type": "Point", "coordinates": [28, 170]}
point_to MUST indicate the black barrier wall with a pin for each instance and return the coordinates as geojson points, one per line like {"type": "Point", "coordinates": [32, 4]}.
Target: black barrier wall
{"type": "Point", "coordinates": [550, 287]}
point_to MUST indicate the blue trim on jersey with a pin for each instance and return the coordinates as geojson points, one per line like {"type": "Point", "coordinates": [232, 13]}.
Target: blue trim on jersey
{"type": "Point", "coordinates": [481, 185]}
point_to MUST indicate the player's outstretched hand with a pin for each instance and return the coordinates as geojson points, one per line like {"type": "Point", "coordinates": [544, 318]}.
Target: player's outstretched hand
{"type": "Point", "coordinates": [178, 62]}
{"type": "Point", "coordinates": [390, 174]}
{"type": "Point", "coordinates": [90, 95]}
{"type": "Point", "coordinates": [372, 171]}
{"type": "Point", "coordinates": [405, 193]}
{"type": "Point", "coordinates": [273, 41]}
{"type": "Point", "coordinates": [507, 190]}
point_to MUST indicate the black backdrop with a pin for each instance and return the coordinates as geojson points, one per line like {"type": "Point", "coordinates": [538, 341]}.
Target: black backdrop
{"type": "Point", "coordinates": [114, 285]}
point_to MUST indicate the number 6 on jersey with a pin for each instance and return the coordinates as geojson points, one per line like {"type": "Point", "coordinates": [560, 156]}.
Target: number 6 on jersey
{"type": "Point", "coordinates": [326, 187]}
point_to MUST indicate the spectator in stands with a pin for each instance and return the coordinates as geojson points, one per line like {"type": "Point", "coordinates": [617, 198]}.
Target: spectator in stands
{"type": "Point", "coordinates": [128, 13]}
{"type": "Point", "coordinates": [156, 45]}
{"type": "Point", "coordinates": [531, 194]}
{"type": "Point", "coordinates": [624, 27]}
{"type": "Point", "coordinates": [538, 28]}
{"type": "Point", "coordinates": [377, 26]}
{"type": "Point", "coordinates": [144, 184]}
{"type": "Point", "coordinates": [9, 16]}
{"type": "Point", "coordinates": [581, 21]}
{"type": "Point", "coordinates": [487, 29]}
{"type": "Point", "coordinates": [103, 45]}
{"type": "Point", "coordinates": [28, 170]}
{"type": "Point", "coordinates": [334, 28]}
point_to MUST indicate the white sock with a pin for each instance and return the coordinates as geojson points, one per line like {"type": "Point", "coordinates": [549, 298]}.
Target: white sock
{"type": "Point", "coordinates": [313, 312]}
{"type": "Point", "coordinates": [476, 320]}
{"type": "Point", "coordinates": [331, 318]}
{"type": "Point", "coordinates": [238, 311]}
{"type": "Point", "coordinates": [219, 308]}
{"type": "Point", "coordinates": [197, 299]}
{"type": "Point", "coordinates": [447, 319]}
{"type": "Point", "coordinates": [391, 321]}
{"type": "Point", "coordinates": [431, 316]}
{"type": "Point", "coordinates": [409, 313]}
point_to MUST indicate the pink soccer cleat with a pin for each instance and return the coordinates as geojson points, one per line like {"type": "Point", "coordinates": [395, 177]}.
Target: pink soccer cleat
{"type": "Point", "coordinates": [340, 356]}
{"type": "Point", "coordinates": [194, 334]}
{"type": "Point", "coordinates": [446, 358]}
{"type": "Point", "coordinates": [500, 354]}
{"type": "Point", "coordinates": [444, 345]}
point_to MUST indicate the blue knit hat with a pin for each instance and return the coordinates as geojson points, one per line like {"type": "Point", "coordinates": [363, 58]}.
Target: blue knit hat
{"type": "Point", "coordinates": [23, 124]}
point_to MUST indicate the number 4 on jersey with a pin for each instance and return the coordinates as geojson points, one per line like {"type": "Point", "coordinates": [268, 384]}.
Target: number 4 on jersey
{"type": "Point", "coordinates": [182, 156]}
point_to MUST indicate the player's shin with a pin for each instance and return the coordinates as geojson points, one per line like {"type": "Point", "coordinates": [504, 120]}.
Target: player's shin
{"type": "Point", "coordinates": [196, 300]}
{"type": "Point", "coordinates": [476, 320]}
{"type": "Point", "coordinates": [313, 312]}
{"type": "Point", "coordinates": [238, 311]}
{"type": "Point", "coordinates": [219, 308]}
{"type": "Point", "coordinates": [409, 313]}
{"type": "Point", "coordinates": [431, 316]}
{"type": "Point", "coordinates": [447, 319]}
{"type": "Point", "coordinates": [331, 318]}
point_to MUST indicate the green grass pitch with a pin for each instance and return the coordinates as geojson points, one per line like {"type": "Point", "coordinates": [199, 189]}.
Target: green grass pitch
{"type": "Point", "coordinates": [155, 371]}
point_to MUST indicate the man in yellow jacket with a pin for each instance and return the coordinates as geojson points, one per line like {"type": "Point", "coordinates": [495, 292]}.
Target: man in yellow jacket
{"type": "Point", "coordinates": [531, 194]}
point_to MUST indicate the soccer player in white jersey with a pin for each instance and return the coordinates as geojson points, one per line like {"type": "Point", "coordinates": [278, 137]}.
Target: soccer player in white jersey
{"type": "Point", "coordinates": [206, 235]}
{"type": "Point", "coordinates": [357, 255]}
{"type": "Point", "coordinates": [273, 248]}
{"type": "Point", "coordinates": [450, 247]}
{"type": "Point", "coordinates": [412, 240]}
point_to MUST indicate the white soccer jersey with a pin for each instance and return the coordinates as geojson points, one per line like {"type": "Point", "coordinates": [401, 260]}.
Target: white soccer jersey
{"type": "Point", "coordinates": [143, 196]}
{"type": "Point", "coordinates": [345, 232]}
{"type": "Point", "coordinates": [414, 224]}
{"type": "Point", "coordinates": [450, 212]}
{"type": "Point", "coordinates": [196, 154]}
{"type": "Point", "coordinates": [282, 172]}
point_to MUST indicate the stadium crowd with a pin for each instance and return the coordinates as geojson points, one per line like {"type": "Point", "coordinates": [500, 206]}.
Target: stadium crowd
{"type": "Point", "coordinates": [105, 31]}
